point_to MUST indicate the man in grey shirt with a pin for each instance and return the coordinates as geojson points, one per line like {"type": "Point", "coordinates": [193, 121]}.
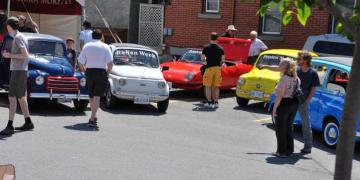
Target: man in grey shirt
{"type": "Point", "coordinates": [18, 82]}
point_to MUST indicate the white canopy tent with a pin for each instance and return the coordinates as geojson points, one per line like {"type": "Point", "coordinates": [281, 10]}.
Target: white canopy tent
{"type": "Point", "coordinates": [58, 18]}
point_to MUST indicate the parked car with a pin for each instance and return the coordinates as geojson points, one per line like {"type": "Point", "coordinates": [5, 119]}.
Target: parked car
{"type": "Point", "coordinates": [185, 73]}
{"type": "Point", "coordinates": [326, 107]}
{"type": "Point", "coordinates": [330, 45]}
{"type": "Point", "coordinates": [50, 74]}
{"type": "Point", "coordinates": [259, 84]}
{"type": "Point", "coordinates": [137, 77]}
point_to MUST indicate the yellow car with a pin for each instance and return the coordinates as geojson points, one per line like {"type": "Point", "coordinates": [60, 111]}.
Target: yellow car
{"type": "Point", "coordinates": [260, 84]}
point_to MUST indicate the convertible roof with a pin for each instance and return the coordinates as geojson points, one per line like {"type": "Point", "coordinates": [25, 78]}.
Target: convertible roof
{"type": "Point", "coordinates": [41, 36]}
{"type": "Point", "coordinates": [130, 45]}
{"type": "Point", "coordinates": [347, 61]}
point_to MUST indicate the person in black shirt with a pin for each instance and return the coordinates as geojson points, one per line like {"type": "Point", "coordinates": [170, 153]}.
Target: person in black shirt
{"type": "Point", "coordinates": [71, 52]}
{"type": "Point", "coordinates": [23, 27]}
{"type": "Point", "coordinates": [213, 54]}
{"type": "Point", "coordinates": [230, 32]}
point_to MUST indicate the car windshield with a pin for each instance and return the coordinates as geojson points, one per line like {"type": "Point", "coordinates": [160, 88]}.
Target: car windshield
{"type": "Point", "coordinates": [192, 56]}
{"type": "Point", "coordinates": [136, 57]}
{"type": "Point", "coordinates": [46, 48]}
{"type": "Point", "coordinates": [271, 60]}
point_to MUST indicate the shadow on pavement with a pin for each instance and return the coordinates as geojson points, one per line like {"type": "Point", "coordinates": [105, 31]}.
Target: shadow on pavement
{"type": "Point", "coordinates": [2, 137]}
{"type": "Point", "coordinates": [50, 108]}
{"type": "Point", "coordinates": [201, 108]}
{"type": "Point", "coordinates": [194, 96]}
{"type": "Point", "coordinates": [81, 127]}
{"type": "Point", "coordinates": [257, 107]}
{"type": "Point", "coordinates": [129, 108]}
{"type": "Point", "coordinates": [317, 141]}
{"type": "Point", "coordinates": [291, 160]}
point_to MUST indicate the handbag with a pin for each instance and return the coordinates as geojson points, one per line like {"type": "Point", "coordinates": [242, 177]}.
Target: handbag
{"type": "Point", "coordinates": [298, 93]}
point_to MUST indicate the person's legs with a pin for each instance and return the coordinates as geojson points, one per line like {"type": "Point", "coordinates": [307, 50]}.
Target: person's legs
{"type": "Point", "coordinates": [208, 94]}
{"type": "Point", "coordinates": [28, 125]}
{"type": "Point", "coordinates": [290, 128]}
{"type": "Point", "coordinates": [216, 85]}
{"type": "Point", "coordinates": [94, 105]}
{"type": "Point", "coordinates": [215, 93]}
{"type": "Point", "coordinates": [280, 127]}
{"type": "Point", "coordinates": [12, 108]}
{"type": "Point", "coordinates": [306, 126]}
{"type": "Point", "coordinates": [207, 82]}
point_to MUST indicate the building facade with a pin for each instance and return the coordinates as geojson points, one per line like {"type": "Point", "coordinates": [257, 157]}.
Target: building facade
{"type": "Point", "coordinates": [190, 23]}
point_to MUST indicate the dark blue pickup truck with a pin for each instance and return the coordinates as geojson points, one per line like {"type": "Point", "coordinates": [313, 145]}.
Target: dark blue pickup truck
{"type": "Point", "coordinates": [50, 75]}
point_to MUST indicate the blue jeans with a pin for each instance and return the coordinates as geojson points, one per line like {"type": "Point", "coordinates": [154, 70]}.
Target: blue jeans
{"type": "Point", "coordinates": [306, 125]}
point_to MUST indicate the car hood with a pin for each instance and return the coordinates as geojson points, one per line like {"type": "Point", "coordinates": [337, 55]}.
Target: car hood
{"type": "Point", "coordinates": [137, 72]}
{"type": "Point", "coordinates": [182, 67]}
{"type": "Point", "coordinates": [258, 74]}
{"type": "Point", "coordinates": [55, 66]}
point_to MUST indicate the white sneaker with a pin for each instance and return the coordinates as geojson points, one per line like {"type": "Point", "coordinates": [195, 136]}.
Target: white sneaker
{"type": "Point", "coordinates": [208, 105]}
{"type": "Point", "coordinates": [216, 104]}
{"type": "Point", "coordinates": [213, 105]}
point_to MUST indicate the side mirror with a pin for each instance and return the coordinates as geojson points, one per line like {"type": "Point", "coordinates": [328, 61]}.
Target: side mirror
{"type": "Point", "coordinates": [165, 68]}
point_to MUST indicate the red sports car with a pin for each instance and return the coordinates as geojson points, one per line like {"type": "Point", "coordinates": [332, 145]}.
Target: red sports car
{"type": "Point", "coordinates": [185, 73]}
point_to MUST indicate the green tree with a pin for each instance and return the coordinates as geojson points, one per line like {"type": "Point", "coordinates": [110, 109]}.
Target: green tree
{"type": "Point", "coordinates": [349, 26]}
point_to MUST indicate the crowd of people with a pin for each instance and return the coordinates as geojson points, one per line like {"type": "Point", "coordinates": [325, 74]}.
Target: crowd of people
{"type": "Point", "coordinates": [96, 60]}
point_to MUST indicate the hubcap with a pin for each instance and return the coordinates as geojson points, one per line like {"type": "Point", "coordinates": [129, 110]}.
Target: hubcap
{"type": "Point", "coordinates": [331, 134]}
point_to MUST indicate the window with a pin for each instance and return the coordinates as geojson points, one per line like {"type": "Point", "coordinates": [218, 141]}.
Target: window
{"type": "Point", "coordinates": [271, 60]}
{"type": "Point", "coordinates": [212, 6]}
{"type": "Point", "coordinates": [321, 70]}
{"type": "Point", "coordinates": [332, 25]}
{"type": "Point", "coordinates": [338, 81]}
{"type": "Point", "coordinates": [335, 48]}
{"type": "Point", "coordinates": [136, 57]}
{"type": "Point", "coordinates": [271, 22]}
{"type": "Point", "coordinates": [46, 48]}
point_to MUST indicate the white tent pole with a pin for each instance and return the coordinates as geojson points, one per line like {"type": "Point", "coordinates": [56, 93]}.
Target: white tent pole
{"type": "Point", "coordinates": [8, 8]}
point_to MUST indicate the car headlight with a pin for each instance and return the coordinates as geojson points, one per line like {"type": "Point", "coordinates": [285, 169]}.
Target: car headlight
{"type": "Point", "coordinates": [161, 85]}
{"type": "Point", "coordinates": [39, 80]}
{"type": "Point", "coordinates": [189, 76]}
{"type": "Point", "coordinates": [241, 81]}
{"type": "Point", "coordinates": [83, 82]}
{"type": "Point", "coordinates": [122, 82]}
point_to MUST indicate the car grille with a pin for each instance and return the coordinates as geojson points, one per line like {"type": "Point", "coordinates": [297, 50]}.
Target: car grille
{"type": "Point", "coordinates": [62, 84]}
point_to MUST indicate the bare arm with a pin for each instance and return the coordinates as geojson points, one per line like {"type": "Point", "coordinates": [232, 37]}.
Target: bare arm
{"type": "Point", "coordinates": [311, 95]}
{"type": "Point", "coordinates": [23, 55]}
{"type": "Point", "coordinates": [271, 68]}
{"type": "Point", "coordinates": [203, 57]}
{"type": "Point", "coordinates": [276, 104]}
{"type": "Point", "coordinates": [81, 44]}
{"type": "Point", "coordinates": [82, 68]}
{"type": "Point", "coordinates": [222, 59]}
{"type": "Point", "coordinates": [109, 67]}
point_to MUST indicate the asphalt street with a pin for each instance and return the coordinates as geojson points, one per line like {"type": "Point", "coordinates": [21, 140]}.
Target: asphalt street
{"type": "Point", "coordinates": [135, 142]}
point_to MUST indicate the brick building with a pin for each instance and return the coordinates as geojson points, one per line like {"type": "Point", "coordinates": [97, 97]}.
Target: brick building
{"type": "Point", "coordinates": [189, 22]}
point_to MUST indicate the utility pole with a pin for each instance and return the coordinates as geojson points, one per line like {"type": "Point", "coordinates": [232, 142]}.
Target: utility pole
{"type": "Point", "coordinates": [8, 8]}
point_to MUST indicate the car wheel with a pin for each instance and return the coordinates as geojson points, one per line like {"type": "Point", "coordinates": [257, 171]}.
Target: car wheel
{"type": "Point", "coordinates": [331, 133]}
{"type": "Point", "coordinates": [110, 100]}
{"type": "Point", "coordinates": [242, 102]}
{"type": "Point", "coordinates": [163, 106]}
{"type": "Point", "coordinates": [81, 105]}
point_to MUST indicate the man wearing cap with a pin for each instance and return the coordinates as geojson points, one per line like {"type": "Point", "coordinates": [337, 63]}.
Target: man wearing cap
{"type": "Point", "coordinates": [256, 47]}
{"type": "Point", "coordinates": [18, 81]}
{"type": "Point", "coordinates": [71, 52]}
{"type": "Point", "coordinates": [230, 32]}
{"type": "Point", "coordinates": [97, 60]}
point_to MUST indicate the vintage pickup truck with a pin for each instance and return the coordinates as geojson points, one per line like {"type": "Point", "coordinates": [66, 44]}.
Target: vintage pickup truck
{"type": "Point", "coordinates": [50, 74]}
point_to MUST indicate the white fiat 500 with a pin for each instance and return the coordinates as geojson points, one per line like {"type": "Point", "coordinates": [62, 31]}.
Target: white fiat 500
{"type": "Point", "coordinates": [137, 77]}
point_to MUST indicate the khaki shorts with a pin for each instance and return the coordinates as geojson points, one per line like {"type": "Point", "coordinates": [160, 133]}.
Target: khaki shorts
{"type": "Point", "coordinates": [212, 77]}
{"type": "Point", "coordinates": [18, 84]}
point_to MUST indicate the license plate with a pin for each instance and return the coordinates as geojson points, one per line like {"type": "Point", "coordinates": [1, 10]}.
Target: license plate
{"type": "Point", "coordinates": [63, 100]}
{"type": "Point", "coordinates": [142, 100]}
{"type": "Point", "coordinates": [257, 94]}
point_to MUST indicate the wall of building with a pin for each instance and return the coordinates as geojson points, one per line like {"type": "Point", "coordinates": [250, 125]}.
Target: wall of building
{"type": "Point", "coordinates": [116, 12]}
{"type": "Point", "coordinates": [192, 29]}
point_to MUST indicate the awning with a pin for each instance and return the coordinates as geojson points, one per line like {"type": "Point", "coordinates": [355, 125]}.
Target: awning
{"type": "Point", "coordinates": [56, 7]}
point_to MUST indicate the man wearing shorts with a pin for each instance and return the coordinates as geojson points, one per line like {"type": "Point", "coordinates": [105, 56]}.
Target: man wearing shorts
{"type": "Point", "coordinates": [18, 81]}
{"type": "Point", "coordinates": [97, 61]}
{"type": "Point", "coordinates": [213, 54]}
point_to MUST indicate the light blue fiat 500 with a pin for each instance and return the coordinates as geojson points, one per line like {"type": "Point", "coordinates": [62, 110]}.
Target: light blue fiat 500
{"type": "Point", "coordinates": [327, 104]}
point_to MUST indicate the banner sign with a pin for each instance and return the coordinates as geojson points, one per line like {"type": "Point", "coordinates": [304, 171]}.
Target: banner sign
{"type": "Point", "coordinates": [59, 7]}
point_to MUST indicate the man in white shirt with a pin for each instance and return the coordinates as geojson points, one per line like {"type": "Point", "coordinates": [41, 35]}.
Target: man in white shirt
{"type": "Point", "coordinates": [96, 60]}
{"type": "Point", "coordinates": [256, 47]}
{"type": "Point", "coordinates": [86, 34]}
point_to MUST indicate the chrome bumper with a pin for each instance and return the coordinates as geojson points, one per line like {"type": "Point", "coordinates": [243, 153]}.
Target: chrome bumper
{"type": "Point", "coordinates": [52, 96]}
{"type": "Point", "coordinates": [131, 96]}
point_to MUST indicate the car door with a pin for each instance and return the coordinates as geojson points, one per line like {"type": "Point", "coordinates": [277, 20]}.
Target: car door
{"type": "Point", "coordinates": [229, 74]}
{"type": "Point", "coordinates": [5, 63]}
{"type": "Point", "coordinates": [332, 96]}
